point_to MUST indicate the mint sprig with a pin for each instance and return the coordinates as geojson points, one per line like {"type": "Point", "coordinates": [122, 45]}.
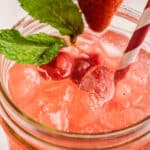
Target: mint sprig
{"type": "Point", "coordinates": [38, 49]}
{"type": "Point", "coordinates": [64, 15]}
{"type": "Point", "coordinates": [33, 49]}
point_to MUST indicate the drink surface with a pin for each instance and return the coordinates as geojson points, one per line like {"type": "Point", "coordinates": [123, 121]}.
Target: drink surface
{"type": "Point", "coordinates": [69, 105]}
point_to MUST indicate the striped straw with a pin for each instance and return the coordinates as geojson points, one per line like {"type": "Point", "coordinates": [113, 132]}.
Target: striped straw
{"type": "Point", "coordinates": [135, 43]}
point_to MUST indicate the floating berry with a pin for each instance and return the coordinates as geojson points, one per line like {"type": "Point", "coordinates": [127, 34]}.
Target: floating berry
{"type": "Point", "coordinates": [98, 13]}
{"type": "Point", "coordinates": [82, 65]}
{"type": "Point", "coordinates": [59, 68]}
{"type": "Point", "coordinates": [94, 59]}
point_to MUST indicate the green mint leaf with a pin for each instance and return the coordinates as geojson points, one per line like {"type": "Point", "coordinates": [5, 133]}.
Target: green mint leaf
{"type": "Point", "coordinates": [64, 15]}
{"type": "Point", "coordinates": [33, 49]}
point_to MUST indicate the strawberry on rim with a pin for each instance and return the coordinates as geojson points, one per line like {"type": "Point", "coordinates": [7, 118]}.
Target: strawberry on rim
{"type": "Point", "coordinates": [98, 13]}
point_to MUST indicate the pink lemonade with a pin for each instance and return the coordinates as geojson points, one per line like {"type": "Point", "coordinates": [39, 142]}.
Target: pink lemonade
{"type": "Point", "coordinates": [75, 102]}
{"type": "Point", "coordinates": [73, 95]}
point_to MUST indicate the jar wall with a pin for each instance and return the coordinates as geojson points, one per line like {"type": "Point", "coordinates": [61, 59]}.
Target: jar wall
{"type": "Point", "coordinates": [18, 143]}
{"type": "Point", "coordinates": [22, 143]}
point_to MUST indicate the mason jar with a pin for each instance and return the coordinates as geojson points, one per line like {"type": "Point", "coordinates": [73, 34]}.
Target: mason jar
{"type": "Point", "coordinates": [25, 133]}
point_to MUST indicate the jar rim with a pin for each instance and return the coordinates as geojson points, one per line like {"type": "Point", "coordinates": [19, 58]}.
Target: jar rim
{"type": "Point", "coordinates": [46, 129]}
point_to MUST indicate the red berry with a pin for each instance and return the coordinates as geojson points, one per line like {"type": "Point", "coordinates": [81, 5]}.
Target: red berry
{"type": "Point", "coordinates": [82, 65]}
{"type": "Point", "coordinates": [98, 13]}
{"type": "Point", "coordinates": [99, 80]}
{"type": "Point", "coordinates": [60, 67]}
{"type": "Point", "coordinates": [94, 59]}
{"type": "Point", "coordinates": [64, 62]}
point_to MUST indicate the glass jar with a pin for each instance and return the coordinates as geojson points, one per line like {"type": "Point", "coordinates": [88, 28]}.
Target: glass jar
{"type": "Point", "coordinates": [24, 133]}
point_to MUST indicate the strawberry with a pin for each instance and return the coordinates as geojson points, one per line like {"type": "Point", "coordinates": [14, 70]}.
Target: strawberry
{"type": "Point", "coordinates": [98, 13]}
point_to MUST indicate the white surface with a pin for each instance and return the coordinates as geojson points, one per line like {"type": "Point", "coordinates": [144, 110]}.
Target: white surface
{"type": "Point", "coordinates": [136, 4]}
{"type": "Point", "coordinates": [10, 13]}
{"type": "Point", "coordinates": [3, 140]}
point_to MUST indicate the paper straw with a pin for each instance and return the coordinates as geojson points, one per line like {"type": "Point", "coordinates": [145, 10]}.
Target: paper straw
{"type": "Point", "coordinates": [135, 43]}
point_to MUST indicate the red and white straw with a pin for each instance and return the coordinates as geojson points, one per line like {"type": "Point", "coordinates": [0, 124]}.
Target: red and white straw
{"type": "Point", "coordinates": [137, 39]}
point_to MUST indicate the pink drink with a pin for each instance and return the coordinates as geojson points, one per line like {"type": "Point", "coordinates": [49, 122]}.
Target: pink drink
{"type": "Point", "coordinates": [73, 94]}
{"type": "Point", "coordinates": [73, 107]}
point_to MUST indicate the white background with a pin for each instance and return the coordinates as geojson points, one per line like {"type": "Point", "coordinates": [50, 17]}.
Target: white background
{"type": "Point", "coordinates": [10, 13]}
